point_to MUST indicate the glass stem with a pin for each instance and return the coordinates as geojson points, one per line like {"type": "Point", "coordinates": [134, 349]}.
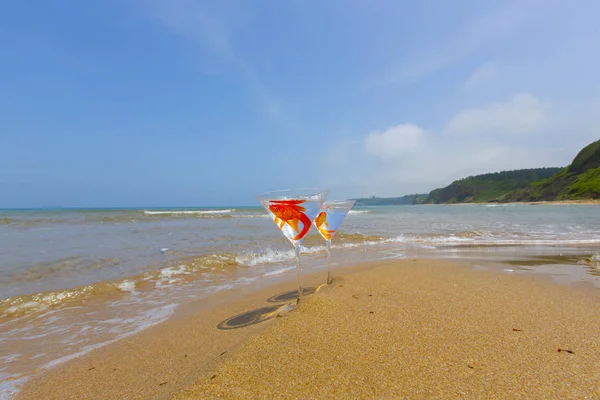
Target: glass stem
{"type": "Point", "coordinates": [329, 276]}
{"type": "Point", "coordinates": [300, 294]}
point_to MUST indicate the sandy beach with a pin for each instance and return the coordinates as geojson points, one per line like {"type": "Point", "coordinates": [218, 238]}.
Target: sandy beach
{"type": "Point", "coordinates": [586, 202]}
{"type": "Point", "coordinates": [560, 202]}
{"type": "Point", "coordinates": [396, 329]}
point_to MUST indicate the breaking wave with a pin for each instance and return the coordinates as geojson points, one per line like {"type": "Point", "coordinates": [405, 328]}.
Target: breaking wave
{"type": "Point", "coordinates": [188, 212]}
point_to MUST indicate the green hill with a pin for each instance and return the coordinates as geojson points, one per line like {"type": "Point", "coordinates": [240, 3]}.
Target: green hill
{"type": "Point", "coordinates": [488, 187]}
{"type": "Point", "coordinates": [392, 201]}
{"type": "Point", "coordinates": [578, 181]}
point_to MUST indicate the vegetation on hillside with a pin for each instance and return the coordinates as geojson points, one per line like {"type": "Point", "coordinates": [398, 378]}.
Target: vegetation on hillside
{"type": "Point", "coordinates": [578, 181]}
{"type": "Point", "coordinates": [488, 187]}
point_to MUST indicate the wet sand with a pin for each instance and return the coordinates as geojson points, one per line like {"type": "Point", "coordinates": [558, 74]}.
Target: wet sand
{"type": "Point", "coordinates": [164, 359]}
{"type": "Point", "coordinates": [397, 329]}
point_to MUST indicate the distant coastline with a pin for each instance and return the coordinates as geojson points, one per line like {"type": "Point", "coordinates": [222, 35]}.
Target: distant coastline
{"type": "Point", "coordinates": [577, 183]}
{"type": "Point", "coordinates": [537, 203]}
{"type": "Point", "coordinates": [525, 203]}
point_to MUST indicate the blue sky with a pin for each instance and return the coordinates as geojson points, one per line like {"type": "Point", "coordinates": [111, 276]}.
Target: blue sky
{"type": "Point", "coordinates": [181, 102]}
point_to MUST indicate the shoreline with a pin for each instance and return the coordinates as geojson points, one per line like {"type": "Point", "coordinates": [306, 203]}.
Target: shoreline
{"type": "Point", "coordinates": [169, 358]}
{"type": "Point", "coordinates": [527, 203]}
{"type": "Point", "coordinates": [554, 202]}
{"type": "Point", "coordinates": [187, 345]}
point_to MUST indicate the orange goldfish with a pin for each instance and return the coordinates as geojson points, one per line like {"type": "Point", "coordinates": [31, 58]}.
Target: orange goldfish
{"type": "Point", "coordinates": [290, 212]}
{"type": "Point", "coordinates": [321, 223]}
{"type": "Point", "coordinates": [321, 219]}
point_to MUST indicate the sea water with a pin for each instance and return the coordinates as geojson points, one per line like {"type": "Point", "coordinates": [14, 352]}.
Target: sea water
{"type": "Point", "coordinates": [73, 280]}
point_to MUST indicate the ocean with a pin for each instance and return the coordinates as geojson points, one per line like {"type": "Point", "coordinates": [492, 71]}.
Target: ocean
{"type": "Point", "coordinates": [72, 280]}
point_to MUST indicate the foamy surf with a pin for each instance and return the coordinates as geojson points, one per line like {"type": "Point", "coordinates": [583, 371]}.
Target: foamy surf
{"type": "Point", "coordinates": [278, 271]}
{"type": "Point", "coordinates": [188, 212]}
{"type": "Point", "coordinates": [221, 266]}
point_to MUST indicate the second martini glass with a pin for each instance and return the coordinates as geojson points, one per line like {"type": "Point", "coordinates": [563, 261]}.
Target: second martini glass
{"type": "Point", "coordinates": [327, 223]}
{"type": "Point", "coordinates": [293, 211]}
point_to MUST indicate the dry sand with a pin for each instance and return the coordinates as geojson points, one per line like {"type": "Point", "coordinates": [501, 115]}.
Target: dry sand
{"type": "Point", "coordinates": [422, 331]}
{"type": "Point", "coordinates": [399, 329]}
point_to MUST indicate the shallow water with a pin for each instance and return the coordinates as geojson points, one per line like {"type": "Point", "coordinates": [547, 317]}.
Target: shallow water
{"type": "Point", "coordinates": [73, 280]}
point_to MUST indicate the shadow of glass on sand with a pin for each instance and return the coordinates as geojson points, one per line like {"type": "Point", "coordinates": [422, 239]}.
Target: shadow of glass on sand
{"type": "Point", "coordinates": [291, 295]}
{"type": "Point", "coordinates": [262, 314]}
{"type": "Point", "coordinates": [249, 318]}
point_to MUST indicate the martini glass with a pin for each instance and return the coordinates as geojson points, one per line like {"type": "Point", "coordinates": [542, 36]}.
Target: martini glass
{"type": "Point", "coordinates": [293, 211]}
{"type": "Point", "coordinates": [327, 223]}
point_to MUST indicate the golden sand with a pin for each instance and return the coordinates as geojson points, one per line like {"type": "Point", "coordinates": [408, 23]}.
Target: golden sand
{"type": "Point", "coordinates": [399, 329]}
{"type": "Point", "coordinates": [164, 359]}
{"type": "Point", "coordinates": [422, 331]}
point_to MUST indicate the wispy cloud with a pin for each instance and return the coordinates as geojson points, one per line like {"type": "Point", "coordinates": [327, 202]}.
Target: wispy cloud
{"type": "Point", "coordinates": [192, 20]}
{"type": "Point", "coordinates": [212, 27]}
{"type": "Point", "coordinates": [522, 114]}
{"type": "Point", "coordinates": [484, 30]}
{"type": "Point", "coordinates": [481, 75]}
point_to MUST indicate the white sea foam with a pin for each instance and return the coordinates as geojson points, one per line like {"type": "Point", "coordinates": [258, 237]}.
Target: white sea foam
{"type": "Point", "coordinates": [127, 286]}
{"type": "Point", "coordinates": [140, 322]}
{"type": "Point", "coordinates": [358, 211]}
{"type": "Point", "coordinates": [251, 216]}
{"type": "Point", "coordinates": [218, 288]}
{"type": "Point", "coordinates": [9, 384]}
{"type": "Point", "coordinates": [392, 255]}
{"type": "Point", "coordinates": [278, 271]}
{"type": "Point", "coordinates": [171, 271]}
{"type": "Point", "coordinates": [185, 212]}
{"type": "Point", "coordinates": [21, 307]}
{"type": "Point", "coordinates": [265, 257]}
{"type": "Point", "coordinates": [268, 255]}
{"type": "Point", "coordinates": [245, 280]}
{"type": "Point", "coordinates": [10, 358]}
{"type": "Point", "coordinates": [312, 250]}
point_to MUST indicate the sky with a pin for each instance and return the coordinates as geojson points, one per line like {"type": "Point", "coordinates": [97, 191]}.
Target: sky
{"type": "Point", "coordinates": [202, 103]}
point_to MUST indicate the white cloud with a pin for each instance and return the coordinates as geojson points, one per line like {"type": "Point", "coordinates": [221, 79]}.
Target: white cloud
{"type": "Point", "coordinates": [393, 141]}
{"type": "Point", "coordinates": [522, 114]}
{"type": "Point", "coordinates": [408, 159]}
{"type": "Point", "coordinates": [482, 74]}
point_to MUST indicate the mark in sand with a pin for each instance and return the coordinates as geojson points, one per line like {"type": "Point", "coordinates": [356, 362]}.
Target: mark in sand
{"type": "Point", "coordinates": [568, 351]}
{"type": "Point", "coordinates": [291, 295]}
{"type": "Point", "coordinates": [248, 318]}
